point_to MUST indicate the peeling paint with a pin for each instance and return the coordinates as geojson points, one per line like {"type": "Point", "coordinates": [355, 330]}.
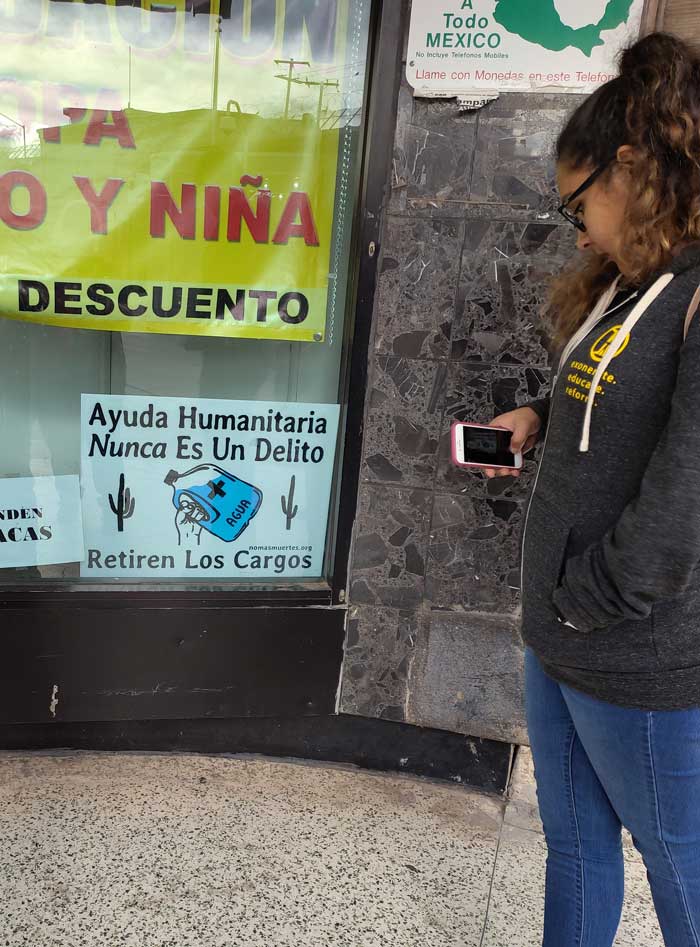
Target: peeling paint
{"type": "Point", "coordinates": [466, 101]}
{"type": "Point", "coordinates": [419, 151]}
{"type": "Point", "coordinates": [54, 701]}
{"type": "Point", "coordinates": [472, 102]}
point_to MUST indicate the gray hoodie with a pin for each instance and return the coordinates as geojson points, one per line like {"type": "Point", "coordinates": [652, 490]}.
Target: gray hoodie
{"type": "Point", "coordinates": [611, 543]}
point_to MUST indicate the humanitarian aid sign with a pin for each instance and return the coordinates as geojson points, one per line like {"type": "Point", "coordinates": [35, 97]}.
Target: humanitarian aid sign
{"type": "Point", "coordinates": [475, 49]}
{"type": "Point", "coordinates": [155, 201]}
{"type": "Point", "coordinates": [199, 488]}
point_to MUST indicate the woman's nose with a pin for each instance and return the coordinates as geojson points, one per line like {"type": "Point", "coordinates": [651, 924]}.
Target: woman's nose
{"type": "Point", "coordinates": [584, 241]}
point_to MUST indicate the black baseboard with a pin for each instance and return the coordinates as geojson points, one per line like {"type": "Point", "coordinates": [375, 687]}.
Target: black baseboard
{"type": "Point", "coordinates": [123, 659]}
{"type": "Point", "coordinates": [371, 744]}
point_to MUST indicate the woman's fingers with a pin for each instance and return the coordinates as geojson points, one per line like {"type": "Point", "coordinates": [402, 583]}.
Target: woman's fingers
{"type": "Point", "coordinates": [491, 472]}
{"type": "Point", "coordinates": [522, 438]}
{"type": "Point", "coordinates": [524, 425]}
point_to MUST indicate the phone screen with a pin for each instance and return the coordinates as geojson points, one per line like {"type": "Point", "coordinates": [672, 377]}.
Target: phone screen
{"type": "Point", "coordinates": [487, 446]}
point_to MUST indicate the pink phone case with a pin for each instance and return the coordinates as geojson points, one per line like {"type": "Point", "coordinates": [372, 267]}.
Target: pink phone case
{"type": "Point", "coordinates": [455, 428]}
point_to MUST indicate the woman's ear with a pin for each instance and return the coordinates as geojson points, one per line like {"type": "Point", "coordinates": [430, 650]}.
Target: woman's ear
{"type": "Point", "coordinates": [625, 155]}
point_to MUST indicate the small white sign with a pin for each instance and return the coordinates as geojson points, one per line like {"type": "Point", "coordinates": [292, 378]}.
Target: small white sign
{"type": "Point", "coordinates": [40, 521]}
{"type": "Point", "coordinates": [474, 49]}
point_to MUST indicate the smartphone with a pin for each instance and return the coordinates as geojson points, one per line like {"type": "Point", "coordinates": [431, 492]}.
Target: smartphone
{"type": "Point", "coordinates": [477, 445]}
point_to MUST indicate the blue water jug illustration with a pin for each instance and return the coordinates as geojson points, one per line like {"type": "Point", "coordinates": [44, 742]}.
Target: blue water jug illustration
{"type": "Point", "coordinates": [215, 500]}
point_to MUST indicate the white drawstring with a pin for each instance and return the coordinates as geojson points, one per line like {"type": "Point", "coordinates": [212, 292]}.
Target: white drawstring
{"type": "Point", "coordinates": [595, 316]}
{"type": "Point", "coordinates": [630, 322]}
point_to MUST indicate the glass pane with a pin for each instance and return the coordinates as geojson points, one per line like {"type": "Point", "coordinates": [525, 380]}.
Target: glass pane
{"type": "Point", "coordinates": [178, 186]}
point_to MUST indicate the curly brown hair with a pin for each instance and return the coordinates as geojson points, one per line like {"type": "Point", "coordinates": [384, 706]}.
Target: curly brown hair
{"type": "Point", "coordinates": [654, 107]}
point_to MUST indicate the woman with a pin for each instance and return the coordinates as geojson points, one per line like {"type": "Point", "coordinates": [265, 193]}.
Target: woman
{"type": "Point", "coordinates": [611, 551]}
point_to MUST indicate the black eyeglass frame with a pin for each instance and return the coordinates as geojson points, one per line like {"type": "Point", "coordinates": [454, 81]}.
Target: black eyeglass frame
{"type": "Point", "coordinates": [591, 179]}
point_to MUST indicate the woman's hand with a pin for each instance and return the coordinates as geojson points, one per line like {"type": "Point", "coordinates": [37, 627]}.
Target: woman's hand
{"type": "Point", "coordinates": [525, 425]}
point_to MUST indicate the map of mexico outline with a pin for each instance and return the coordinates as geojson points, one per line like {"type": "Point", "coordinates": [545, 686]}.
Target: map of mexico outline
{"type": "Point", "coordinates": [475, 49]}
{"type": "Point", "coordinates": [540, 22]}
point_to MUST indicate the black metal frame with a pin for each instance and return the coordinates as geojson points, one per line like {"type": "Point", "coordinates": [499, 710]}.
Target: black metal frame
{"type": "Point", "coordinates": [385, 79]}
{"type": "Point", "coordinates": [386, 33]}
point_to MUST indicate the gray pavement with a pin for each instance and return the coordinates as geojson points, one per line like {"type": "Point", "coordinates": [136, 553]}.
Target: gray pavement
{"type": "Point", "coordinates": [160, 850]}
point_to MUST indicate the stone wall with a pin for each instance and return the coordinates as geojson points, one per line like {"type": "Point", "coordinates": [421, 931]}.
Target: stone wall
{"type": "Point", "coordinates": [470, 239]}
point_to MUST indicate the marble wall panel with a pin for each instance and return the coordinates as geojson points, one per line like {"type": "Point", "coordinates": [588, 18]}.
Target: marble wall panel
{"type": "Point", "coordinates": [404, 118]}
{"type": "Point", "coordinates": [379, 651]}
{"type": "Point", "coordinates": [417, 287]}
{"type": "Point", "coordinates": [498, 160]}
{"type": "Point", "coordinates": [433, 158]}
{"type": "Point", "coordinates": [468, 677]}
{"type": "Point", "coordinates": [390, 546]}
{"type": "Point", "coordinates": [524, 104]}
{"type": "Point", "coordinates": [474, 554]}
{"type": "Point", "coordinates": [505, 272]}
{"type": "Point", "coordinates": [514, 162]}
{"type": "Point", "coordinates": [403, 421]}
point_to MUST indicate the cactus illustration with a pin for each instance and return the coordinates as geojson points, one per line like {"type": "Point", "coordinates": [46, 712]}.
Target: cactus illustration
{"type": "Point", "coordinates": [288, 507]}
{"type": "Point", "coordinates": [124, 507]}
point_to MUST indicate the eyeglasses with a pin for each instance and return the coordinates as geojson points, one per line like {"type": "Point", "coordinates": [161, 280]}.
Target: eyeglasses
{"type": "Point", "coordinates": [591, 179]}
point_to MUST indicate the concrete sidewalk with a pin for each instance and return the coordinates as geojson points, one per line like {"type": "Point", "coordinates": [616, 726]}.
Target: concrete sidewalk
{"type": "Point", "coordinates": [132, 850]}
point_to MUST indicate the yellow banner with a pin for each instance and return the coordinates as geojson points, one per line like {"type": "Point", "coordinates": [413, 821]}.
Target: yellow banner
{"type": "Point", "coordinates": [190, 222]}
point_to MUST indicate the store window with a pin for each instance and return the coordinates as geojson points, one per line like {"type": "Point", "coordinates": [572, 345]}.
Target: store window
{"type": "Point", "coordinates": [178, 185]}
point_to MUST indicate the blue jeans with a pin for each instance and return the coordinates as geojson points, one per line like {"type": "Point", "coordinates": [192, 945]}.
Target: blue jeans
{"type": "Point", "coordinates": [599, 767]}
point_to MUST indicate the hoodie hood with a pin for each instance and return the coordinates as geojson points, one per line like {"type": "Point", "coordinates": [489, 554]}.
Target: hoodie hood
{"type": "Point", "coordinates": [687, 259]}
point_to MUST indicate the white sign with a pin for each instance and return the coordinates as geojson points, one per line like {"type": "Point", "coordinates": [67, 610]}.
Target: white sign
{"type": "Point", "coordinates": [474, 49]}
{"type": "Point", "coordinates": [195, 488]}
{"type": "Point", "coordinates": [40, 521]}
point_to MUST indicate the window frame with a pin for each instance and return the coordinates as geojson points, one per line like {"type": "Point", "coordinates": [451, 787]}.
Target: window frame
{"type": "Point", "coordinates": [381, 95]}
